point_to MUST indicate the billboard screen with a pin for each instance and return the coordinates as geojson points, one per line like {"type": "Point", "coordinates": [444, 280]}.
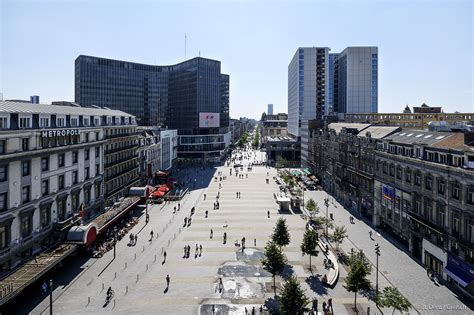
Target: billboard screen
{"type": "Point", "coordinates": [209, 120]}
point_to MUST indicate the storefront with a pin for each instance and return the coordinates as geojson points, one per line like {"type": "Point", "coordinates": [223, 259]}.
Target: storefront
{"type": "Point", "coordinates": [434, 258]}
{"type": "Point", "coordinates": [460, 274]}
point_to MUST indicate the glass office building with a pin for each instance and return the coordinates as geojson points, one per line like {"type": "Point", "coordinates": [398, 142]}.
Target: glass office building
{"type": "Point", "coordinates": [192, 97]}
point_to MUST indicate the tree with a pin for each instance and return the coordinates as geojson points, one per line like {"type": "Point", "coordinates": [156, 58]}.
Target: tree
{"type": "Point", "coordinates": [310, 244]}
{"type": "Point", "coordinates": [340, 233]}
{"type": "Point", "coordinates": [280, 236]}
{"type": "Point", "coordinates": [281, 161]}
{"type": "Point", "coordinates": [293, 297]}
{"type": "Point", "coordinates": [391, 297]}
{"type": "Point", "coordinates": [356, 279]}
{"type": "Point", "coordinates": [355, 256]}
{"type": "Point", "coordinates": [274, 261]}
{"type": "Point", "coordinates": [312, 207]}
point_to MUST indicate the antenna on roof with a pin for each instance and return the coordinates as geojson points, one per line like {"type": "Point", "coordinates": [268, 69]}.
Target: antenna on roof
{"type": "Point", "coordinates": [184, 46]}
{"type": "Point", "coordinates": [199, 53]}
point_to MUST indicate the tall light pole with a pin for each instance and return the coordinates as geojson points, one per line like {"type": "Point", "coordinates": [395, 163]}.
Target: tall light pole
{"type": "Point", "coordinates": [326, 203]}
{"type": "Point", "coordinates": [115, 238]}
{"type": "Point", "coordinates": [377, 253]}
{"type": "Point", "coordinates": [51, 296]}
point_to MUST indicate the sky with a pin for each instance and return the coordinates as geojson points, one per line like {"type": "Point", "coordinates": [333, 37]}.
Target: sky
{"type": "Point", "coordinates": [425, 47]}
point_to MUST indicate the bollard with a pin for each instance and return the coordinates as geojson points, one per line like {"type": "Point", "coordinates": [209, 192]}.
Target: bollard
{"type": "Point", "coordinates": [126, 289]}
{"type": "Point", "coordinates": [114, 303]}
{"type": "Point", "coordinates": [143, 249]}
{"type": "Point", "coordinates": [174, 237]}
{"type": "Point", "coordinates": [146, 267]}
{"type": "Point", "coordinates": [102, 287]}
{"type": "Point", "coordinates": [115, 275]}
{"type": "Point", "coordinates": [169, 241]}
{"type": "Point", "coordinates": [137, 277]}
{"type": "Point", "coordinates": [156, 235]}
{"type": "Point", "coordinates": [125, 266]}
{"type": "Point", "coordinates": [135, 256]}
{"type": "Point", "coordinates": [155, 258]}
{"type": "Point", "coordinates": [88, 300]}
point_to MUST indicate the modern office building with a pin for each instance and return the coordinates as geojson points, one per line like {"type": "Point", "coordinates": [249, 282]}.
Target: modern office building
{"type": "Point", "coordinates": [356, 80]}
{"type": "Point", "coordinates": [270, 109]}
{"type": "Point", "coordinates": [51, 163]}
{"type": "Point", "coordinates": [192, 97]}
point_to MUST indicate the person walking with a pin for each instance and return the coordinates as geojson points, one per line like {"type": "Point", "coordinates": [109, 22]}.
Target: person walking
{"type": "Point", "coordinates": [200, 249]}
{"type": "Point", "coordinates": [136, 239]}
{"type": "Point", "coordinates": [212, 233]}
{"type": "Point", "coordinates": [370, 234]}
{"type": "Point", "coordinates": [164, 256]}
{"type": "Point", "coordinates": [151, 235]}
{"type": "Point", "coordinates": [167, 281]}
{"type": "Point", "coordinates": [204, 196]}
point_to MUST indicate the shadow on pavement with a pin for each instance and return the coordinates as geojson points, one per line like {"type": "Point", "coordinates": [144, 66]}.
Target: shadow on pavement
{"type": "Point", "coordinates": [316, 285]}
{"type": "Point", "coordinates": [287, 271]}
{"type": "Point", "coordinates": [271, 304]}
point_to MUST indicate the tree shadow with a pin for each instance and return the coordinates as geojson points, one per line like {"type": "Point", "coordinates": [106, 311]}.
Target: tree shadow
{"type": "Point", "coordinates": [287, 271]}
{"type": "Point", "coordinates": [271, 304]}
{"type": "Point", "coordinates": [369, 293]}
{"type": "Point", "coordinates": [316, 285]}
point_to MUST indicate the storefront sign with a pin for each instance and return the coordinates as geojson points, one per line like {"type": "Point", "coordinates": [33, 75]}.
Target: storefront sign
{"type": "Point", "coordinates": [59, 133]}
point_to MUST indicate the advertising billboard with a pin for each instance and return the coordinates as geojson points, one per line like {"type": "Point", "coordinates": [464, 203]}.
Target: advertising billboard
{"type": "Point", "coordinates": [209, 120]}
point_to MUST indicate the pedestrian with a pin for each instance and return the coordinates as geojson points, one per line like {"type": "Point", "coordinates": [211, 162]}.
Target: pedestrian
{"type": "Point", "coordinates": [164, 255]}
{"type": "Point", "coordinates": [200, 249]}
{"type": "Point", "coordinates": [213, 309]}
{"type": "Point", "coordinates": [253, 310]}
{"type": "Point", "coordinates": [254, 242]}
{"type": "Point", "coordinates": [212, 233]}
{"type": "Point", "coordinates": [324, 307]}
{"type": "Point", "coordinates": [136, 238]}
{"type": "Point", "coordinates": [204, 196]}
{"type": "Point", "coordinates": [370, 234]}
{"type": "Point", "coordinates": [151, 235]}
{"type": "Point", "coordinates": [237, 195]}
{"type": "Point", "coordinates": [44, 287]}
{"type": "Point", "coordinates": [206, 213]}
{"type": "Point", "coordinates": [167, 281]}
{"type": "Point", "coordinates": [268, 213]}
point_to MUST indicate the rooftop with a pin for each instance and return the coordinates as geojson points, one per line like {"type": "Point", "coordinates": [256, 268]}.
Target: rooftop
{"type": "Point", "coordinates": [339, 126]}
{"type": "Point", "coordinates": [28, 108]}
{"type": "Point", "coordinates": [410, 136]}
{"type": "Point", "coordinates": [378, 132]}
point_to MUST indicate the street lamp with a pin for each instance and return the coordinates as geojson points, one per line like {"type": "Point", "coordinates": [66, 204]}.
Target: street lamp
{"type": "Point", "coordinates": [326, 203]}
{"type": "Point", "coordinates": [51, 296]}
{"type": "Point", "coordinates": [115, 238]}
{"type": "Point", "coordinates": [377, 252]}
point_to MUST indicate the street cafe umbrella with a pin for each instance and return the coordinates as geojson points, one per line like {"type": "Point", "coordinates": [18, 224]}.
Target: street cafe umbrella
{"type": "Point", "coordinates": [163, 188]}
{"type": "Point", "coordinates": [158, 193]}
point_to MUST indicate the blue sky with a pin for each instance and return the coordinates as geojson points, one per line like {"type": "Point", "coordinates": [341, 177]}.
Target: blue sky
{"type": "Point", "coordinates": [425, 47]}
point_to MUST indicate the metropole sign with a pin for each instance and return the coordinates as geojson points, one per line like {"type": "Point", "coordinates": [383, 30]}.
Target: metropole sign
{"type": "Point", "coordinates": [59, 133]}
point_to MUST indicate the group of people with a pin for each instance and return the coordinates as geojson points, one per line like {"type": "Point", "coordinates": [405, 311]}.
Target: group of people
{"type": "Point", "coordinates": [197, 251]}
{"type": "Point", "coordinates": [237, 195]}
{"type": "Point", "coordinates": [102, 246]}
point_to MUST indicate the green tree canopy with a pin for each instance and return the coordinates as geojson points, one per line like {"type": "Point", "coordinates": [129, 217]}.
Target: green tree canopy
{"type": "Point", "coordinates": [356, 279]}
{"type": "Point", "coordinates": [281, 161]}
{"type": "Point", "coordinates": [391, 297]}
{"type": "Point", "coordinates": [339, 234]}
{"type": "Point", "coordinates": [280, 236]}
{"type": "Point", "coordinates": [274, 261]}
{"type": "Point", "coordinates": [310, 244]}
{"type": "Point", "coordinates": [312, 207]}
{"type": "Point", "coordinates": [293, 297]}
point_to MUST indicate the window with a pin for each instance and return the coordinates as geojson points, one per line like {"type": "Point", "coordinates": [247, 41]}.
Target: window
{"type": "Point", "coordinates": [470, 195]}
{"type": "Point", "coordinates": [25, 122]}
{"type": "Point", "coordinates": [86, 173]}
{"type": "Point", "coordinates": [61, 159]}
{"type": "Point", "coordinates": [45, 163]}
{"type": "Point", "coordinates": [45, 187]}
{"type": "Point", "coordinates": [60, 121]}
{"type": "Point", "coordinates": [25, 168]}
{"type": "Point", "coordinates": [456, 190]}
{"type": "Point", "coordinates": [26, 226]}
{"type": "Point", "coordinates": [96, 121]}
{"type": "Point", "coordinates": [97, 169]}
{"type": "Point", "coordinates": [3, 201]}
{"type": "Point", "coordinates": [74, 157]}
{"type": "Point", "coordinates": [4, 122]}
{"type": "Point", "coordinates": [3, 146]}
{"type": "Point", "coordinates": [443, 159]}
{"type": "Point", "coordinates": [97, 152]}
{"type": "Point", "coordinates": [61, 182]}
{"type": "Point", "coordinates": [75, 202]}
{"type": "Point", "coordinates": [61, 210]}
{"type": "Point", "coordinates": [428, 182]}
{"type": "Point", "coordinates": [3, 173]}
{"type": "Point", "coordinates": [25, 144]}
{"type": "Point", "coordinates": [97, 136]}
{"type": "Point", "coordinates": [408, 175]}
{"type": "Point", "coordinates": [74, 177]}
{"type": "Point", "coordinates": [25, 194]}
{"type": "Point", "coordinates": [392, 170]}
{"type": "Point", "coordinates": [87, 195]}
{"type": "Point", "coordinates": [4, 236]}
{"type": "Point", "coordinates": [457, 161]}
{"type": "Point", "coordinates": [399, 172]}
{"type": "Point", "coordinates": [86, 154]}
{"type": "Point", "coordinates": [44, 122]}
{"type": "Point", "coordinates": [418, 178]}
{"type": "Point", "coordinates": [45, 216]}
{"type": "Point", "coordinates": [441, 187]}
{"type": "Point", "coordinates": [86, 121]}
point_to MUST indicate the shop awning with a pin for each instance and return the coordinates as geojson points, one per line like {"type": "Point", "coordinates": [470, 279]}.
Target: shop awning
{"type": "Point", "coordinates": [306, 171]}
{"type": "Point", "coordinates": [163, 188]}
{"type": "Point", "coordinates": [83, 234]}
{"type": "Point", "coordinates": [158, 193]}
{"type": "Point", "coordinates": [458, 274]}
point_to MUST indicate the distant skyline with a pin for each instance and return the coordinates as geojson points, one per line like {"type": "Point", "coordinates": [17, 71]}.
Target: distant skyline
{"type": "Point", "coordinates": [425, 47]}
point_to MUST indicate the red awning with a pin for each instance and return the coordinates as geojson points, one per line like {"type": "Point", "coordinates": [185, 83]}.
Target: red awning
{"type": "Point", "coordinates": [158, 193]}
{"type": "Point", "coordinates": [163, 188]}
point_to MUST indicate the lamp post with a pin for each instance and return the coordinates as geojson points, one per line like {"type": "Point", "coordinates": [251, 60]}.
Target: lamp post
{"type": "Point", "coordinates": [377, 253]}
{"type": "Point", "coordinates": [146, 212]}
{"type": "Point", "coordinates": [51, 296]}
{"type": "Point", "coordinates": [115, 239]}
{"type": "Point", "coordinates": [326, 203]}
